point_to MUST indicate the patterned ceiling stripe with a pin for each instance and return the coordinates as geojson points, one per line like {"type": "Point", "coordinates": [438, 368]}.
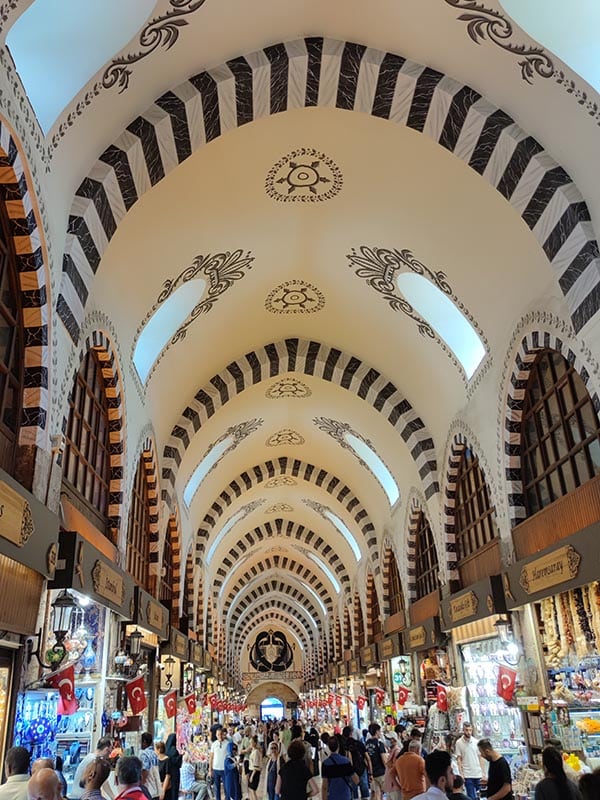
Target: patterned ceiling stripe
{"type": "Point", "coordinates": [35, 290]}
{"type": "Point", "coordinates": [309, 358]}
{"type": "Point", "coordinates": [267, 616]}
{"type": "Point", "coordinates": [293, 530]}
{"type": "Point", "coordinates": [151, 470]}
{"type": "Point", "coordinates": [373, 605]}
{"type": "Point", "coordinates": [281, 564]}
{"type": "Point", "coordinates": [530, 346]}
{"type": "Point", "coordinates": [324, 72]}
{"type": "Point", "coordinates": [272, 587]}
{"type": "Point", "coordinates": [415, 511]}
{"type": "Point", "coordinates": [298, 469]}
{"type": "Point", "coordinates": [271, 604]}
{"type": "Point", "coordinates": [388, 562]}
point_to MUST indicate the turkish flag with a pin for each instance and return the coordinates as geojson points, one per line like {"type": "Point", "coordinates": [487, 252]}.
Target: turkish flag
{"type": "Point", "coordinates": [507, 679]}
{"type": "Point", "coordinates": [135, 694]}
{"type": "Point", "coordinates": [190, 702]}
{"type": "Point", "coordinates": [402, 695]}
{"type": "Point", "coordinates": [212, 699]}
{"type": "Point", "coordinates": [442, 697]}
{"type": "Point", "coordinates": [361, 702]}
{"type": "Point", "coordinates": [338, 700]}
{"type": "Point", "coordinates": [220, 705]}
{"type": "Point", "coordinates": [170, 703]}
{"type": "Point", "coordinates": [379, 695]}
{"type": "Point", "coordinates": [330, 699]}
{"type": "Point", "coordinates": [64, 681]}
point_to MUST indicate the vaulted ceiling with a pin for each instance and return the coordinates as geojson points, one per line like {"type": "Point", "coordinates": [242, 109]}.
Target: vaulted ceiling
{"type": "Point", "coordinates": [287, 178]}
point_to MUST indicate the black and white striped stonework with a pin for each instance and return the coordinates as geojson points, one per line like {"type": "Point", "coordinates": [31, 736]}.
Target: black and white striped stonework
{"type": "Point", "coordinates": [271, 618]}
{"type": "Point", "coordinates": [304, 357]}
{"type": "Point", "coordinates": [327, 73]}
{"type": "Point", "coordinates": [275, 561]}
{"type": "Point", "coordinates": [102, 345]}
{"type": "Point", "coordinates": [268, 596]}
{"type": "Point", "coordinates": [302, 471]}
{"type": "Point", "coordinates": [411, 551]}
{"type": "Point", "coordinates": [389, 551]}
{"type": "Point", "coordinates": [33, 283]}
{"type": "Point", "coordinates": [284, 528]}
{"type": "Point", "coordinates": [457, 448]}
{"type": "Point", "coordinates": [530, 346]}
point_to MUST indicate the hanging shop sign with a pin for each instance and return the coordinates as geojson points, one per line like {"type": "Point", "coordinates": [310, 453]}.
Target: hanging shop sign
{"type": "Point", "coordinates": [28, 531]}
{"type": "Point", "coordinates": [207, 661]}
{"type": "Point", "coordinates": [176, 646]}
{"type": "Point", "coordinates": [342, 669]}
{"type": "Point", "coordinates": [390, 647]}
{"type": "Point", "coordinates": [422, 637]}
{"type": "Point", "coordinates": [368, 655]}
{"type": "Point", "coordinates": [480, 600]}
{"type": "Point", "coordinates": [196, 655]}
{"type": "Point", "coordinates": [150, 614]}
{"type": "Point", "coordinates": [575, 562]}
{"type": "Point", "coordinates": [82, 567]}
{"type": "Point", "coordinates": [354, 666]}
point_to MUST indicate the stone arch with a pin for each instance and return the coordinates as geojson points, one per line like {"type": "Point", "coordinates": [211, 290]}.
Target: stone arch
{"type": "Point", "coordinates": [415, 509]}
{"type": "Point", "coordinates": [358, 614]}
{"type": "Point", "coordinates": [30, 257]}
{"type": "Point", "coordinates": [269, 604]}
{"type": "Point", "coordinates": [304, 357]}
{"type": "Point", "coordinates": [172, 531]}
{"type": "Point", "coordinates": [146, 452]}
{"type": "Point", "coordinates": [295, 469]}
{"type": "Point", "coordinates": [266, 617]}
{"type": "Point", "coordinates": [293, 530]}
{"type": "Point", "coordinates": [531, 344]}
{"type": "Point", "coordinates": [326, 73]}
{"type": "Point", "coordinates": [372, 605]}
{"type": "Point", "coordinates": [389, 553]}
{"type": "Point", "coordinates": [275, 563]}
{"type": "Point", "coordinates": [104, 348]}
{"type": "Point", "coordinates": [270, 587]}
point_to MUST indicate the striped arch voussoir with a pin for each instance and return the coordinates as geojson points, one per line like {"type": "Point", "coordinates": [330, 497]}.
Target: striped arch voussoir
{"type": "Point", "coordinates": [100, 343]}
{"type": "Point", "coordinates": [411, 555]}
{"type": "Point", "coordinates": [26, 234]}
{"type": "Point", "coordinates": [151, 472]}
{"type": "Point", "coordinates": [530, 346]}
{"type": "Point", "coordinates": [270, 587]}
{"type": "Point", "coordinates": [300, 470]}
{"type": "Point", "coordinates": [269, 617]}
{"type": "Point", "coordinates": [388, 550]}
{"type": "Point", "coordinates": [371, 595]}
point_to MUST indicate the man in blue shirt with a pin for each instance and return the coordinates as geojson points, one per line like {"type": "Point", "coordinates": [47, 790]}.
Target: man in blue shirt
{"type": "Point", "coordinates": [337, 773]}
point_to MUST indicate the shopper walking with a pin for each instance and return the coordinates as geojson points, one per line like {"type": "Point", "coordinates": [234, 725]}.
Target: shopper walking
{"type": "Point", "coordinates": [173, 767]}
{"type": "Point", "coordinates": [216, 763]}
{"type": "Point", "coordinates": [438, 766]}
{"type": "Point", "coordinates": [410, 771]}
{"type": "Point", "coordinates": [378, 755]}
{"type": "Point", "coordinates": [295, 781]}
{"type": "Point", "coordinates": [469, 761]}
{"type": "Point", "coordinates": [338, 774]}
{"type": "Point", "coordinates": [256, 759]}
{"type": "Point", "coordinates": [555, 785]}
{"type": "Point", "coordinates": [499, 779]}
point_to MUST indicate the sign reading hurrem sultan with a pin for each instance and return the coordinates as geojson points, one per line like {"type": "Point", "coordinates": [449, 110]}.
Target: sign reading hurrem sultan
{"type": "Point", "coordinates": [550, 570]}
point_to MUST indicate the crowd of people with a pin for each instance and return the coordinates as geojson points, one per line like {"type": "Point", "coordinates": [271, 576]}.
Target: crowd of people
{"type": "Point", "coordinates": [288, 761]}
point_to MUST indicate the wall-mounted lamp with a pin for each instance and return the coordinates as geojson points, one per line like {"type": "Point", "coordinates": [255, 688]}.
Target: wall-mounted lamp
{"type": "Point", "coordinates": [169, 664]}
{"type": "Point", "coordinates": [62, 609]}
{"type": "Point", "coordinates": [441, 658]}
{"type": "Point", "coordinates": [504, 628]}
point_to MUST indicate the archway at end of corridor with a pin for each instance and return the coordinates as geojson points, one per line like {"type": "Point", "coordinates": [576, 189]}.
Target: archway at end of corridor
{"type": "Point", "coordinates": [272, 708]}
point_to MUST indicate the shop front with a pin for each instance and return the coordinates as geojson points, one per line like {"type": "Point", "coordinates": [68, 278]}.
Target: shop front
{"type": "Point", "coordinates": [174, 654]}
{"type": "Point", "coordinates": [476, 621]}
{"type": "Point", "coordinates": [399, 676]}
{"type": "Point", "coordinates": [557, 593]}
{"type": "Point", "coordinates": [374, 677]}
{"type": "Point", "coordinates": [428, 646]}
{"type": "Point", "coordinates": [89, 594]}
{"type": "Point", "coordinates": [28, 551]}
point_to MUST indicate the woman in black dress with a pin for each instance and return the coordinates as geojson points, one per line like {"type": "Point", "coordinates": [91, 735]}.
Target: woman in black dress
{"type": "Point", "coordinates": [312, 737]}
{"type": "Point", "coordinates": [295, 781]}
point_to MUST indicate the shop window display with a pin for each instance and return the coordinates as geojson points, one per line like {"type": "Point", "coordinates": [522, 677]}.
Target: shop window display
{"type": "Point", "coordinates": [491, 717]}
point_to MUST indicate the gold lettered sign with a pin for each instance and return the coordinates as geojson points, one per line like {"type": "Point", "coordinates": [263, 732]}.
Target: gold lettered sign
{"type": "Point", "coordinates": [108, 583]}
{"type": "Point", "coordinates": [16, 521]}
{"type": "Point", "coordinates": [550, 570]}
{"type": "Point", "coordinates": [417, 637]}
{"type": "Point", "coordinates": [464, 606]}
{"type": "Point", "coordinates": [387, 648]}
{"type": "Point", "coordinates": [180, 645]}
{"type": "Point", "coordinates": [154, 614]}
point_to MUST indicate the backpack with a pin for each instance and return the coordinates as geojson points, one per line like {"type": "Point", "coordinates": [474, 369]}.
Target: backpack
{"type": "Point", "coordinates": [357, 757]}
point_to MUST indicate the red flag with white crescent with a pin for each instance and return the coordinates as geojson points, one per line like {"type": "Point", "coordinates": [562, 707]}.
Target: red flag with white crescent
{"type": "Point", "coordinates": [442, 697]}
{"type": "Point", "coordinates": [402, 695]}
{"type": "Point", "coordinates": [379, 695]}
{"type": "Point", "coordinates": [190, 702]}
{"type": "Point", "coordinates": [136, 695]}
{"type": "Point", "coordinates": [338, 700]}
{"type": "Point", "coordinates": [220, 705]}
{"type": "Point", "coordinates": [361, 701]}
{"type": "Point", "coordinates": [170, 703]}
{"type": "Point", "coordinates": [212, 699]}
{"type": "Point", "coordinates": [64, 681]}
{"type": "Point", "coordinates": [507, 680]}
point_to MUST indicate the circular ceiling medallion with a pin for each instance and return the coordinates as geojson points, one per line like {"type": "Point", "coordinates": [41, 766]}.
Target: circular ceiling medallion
{"type": "Point", "coordinates": [288, 387]}
{"type": "Point", "coordinates": [304, 176]}
{"type": "Point", "coordinates": [283, 480]}
{"type": "Point", "coordinates": [295, 297]}
{"type": "Point", "coordinates": [279, 508]}
{"type": "Point", "coordinates": [285, 436]}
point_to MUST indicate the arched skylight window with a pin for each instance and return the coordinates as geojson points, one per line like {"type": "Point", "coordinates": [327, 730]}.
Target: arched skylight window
{"type": "Point", "coordinates": [344, 530]}
{"type": "Point", "coordinates": [327, 572]}
{"type": "Point", "coordinates": [570, 30]}
{"type": "Point", "coordinates": [376, 465]}
{"type": "Point", "coordinates": [224, 531]}
{"type": "Point", "coordinates": [163, 323]}
{"type": "Point", "coordinates": [58, 45]}
{"type": "Point", "coordinates": [204, 467]}
{"type": "Point", "coordinates": [439, 311]}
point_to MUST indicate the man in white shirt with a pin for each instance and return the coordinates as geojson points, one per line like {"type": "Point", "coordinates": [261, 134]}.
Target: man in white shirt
{"type": "Point", "coordinates": [17, 770]}
{"type": "Point", "coordinates": [438, 766]}
{"type": "Point", "coordinates": [469, 762]}
{"type": "Point", "coordinates": [216, 763]}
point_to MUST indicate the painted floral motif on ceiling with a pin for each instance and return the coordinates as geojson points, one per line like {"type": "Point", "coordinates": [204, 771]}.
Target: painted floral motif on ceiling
{"type": "Point", "coordinates": [304, 176]}
{"type": "Point", "coordinates": [282, 480]}
{"type": "Point", "coordinates": [295, 297]}
{"type": "Point", "coordinates": [288, 388]}
{"type": "Point", "coordinates": [279, 508]}
{"type": "Point", "coordinates": [285, 436]}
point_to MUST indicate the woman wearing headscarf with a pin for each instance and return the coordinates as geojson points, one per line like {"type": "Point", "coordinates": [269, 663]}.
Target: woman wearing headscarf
{"type": "Point", "coordinates": [312, 737]}
{"type": "Point", "coordinates": [233, 789]}
{"type": "Point", "coordinates": [173, 767]}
